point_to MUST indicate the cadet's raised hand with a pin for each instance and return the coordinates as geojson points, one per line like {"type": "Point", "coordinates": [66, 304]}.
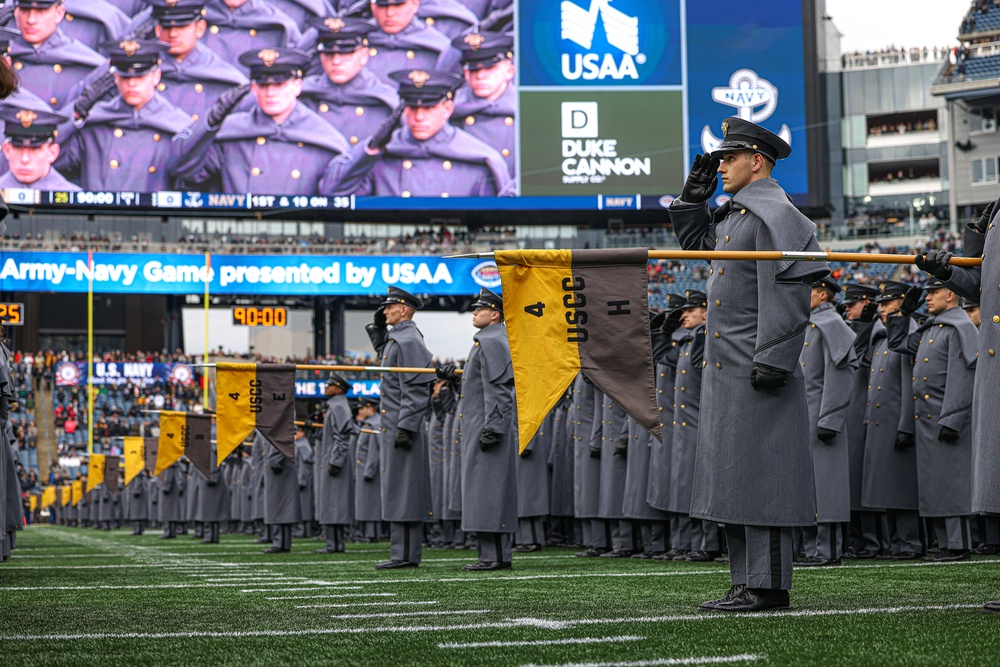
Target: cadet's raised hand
{"type": "Point", "coordinates": [869, 313]}
{"type": "Point", "coordinates": [384, 131]}
{"type": "Point", "coordinates": [912, 301]}
{"type": "Point", "coordinates": [225, 104]}
{"type": "Point", "coordinates": [702, 180]}
{"type": "Point", "coordinates": [378, 319]}
{"type": "Point", "coordinates": [93, 94]}
{"type": "Point", "coordinates": [672, 322]}
{"type": "Point", "coordinates": [984, 220]}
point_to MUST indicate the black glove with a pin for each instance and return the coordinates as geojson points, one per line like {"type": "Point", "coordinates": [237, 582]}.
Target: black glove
{"type": "Point", "coordinates": [935, 262]}
{"type": "Point", "coordinates": [404, 439]}
{"type": "Point", "coordinates": [948, 434]}
{"type": "Point", "coordinates": [869, 313]}
{"type": "Point", "coordinates": [93, 94]}
{"type": "Point", "coordinates": [378, 337]}
{"type": "Point", "coordinates": [656, 321]}
{"type": "Point", "coordinates": [378, 319]}
{"type": "Point", "coordinates": [225, 104]}
{"type": "Point", "coordinates": [527, 454]}
{"type": "Point", "coordinates": [841, 308]}
{"type": "Point", "coordinates": [276, 469]}
{"type": "Point", "coordinates": [984, 220]}
{"type": "Point", "coordinates": [447, 372]}
{"type": "Point", "coordinates": [369, 478]}
{"type": "Point", "coordinates": [333, 470]}
{"type": "Point", "coordinates": [702, 180]}
{"type": "Point", "coordinates": [595, 452]}
{"type": "Point", "coordinates": [767, 377]}
{"type": "Point", "coordinates": [672, 322]}
{"type": "Point", "coordinates": [621, 449]}
{"type": "Point", "coordinates": [488, 440]}
{"type": "Point", "coordinates": [825, 434]}
{"type": "Point", "coordinates": [912, 301]}
{"type": "Point", "coordinates": [384, 131]}
{"type": "Point", "coordinates": [904, 441]}
{"type": "Point", "coordinates": [302, 487]}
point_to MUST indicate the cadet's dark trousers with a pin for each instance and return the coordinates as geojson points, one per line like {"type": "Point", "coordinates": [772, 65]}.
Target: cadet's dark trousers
{"type": "Point", "coordinates": [953, 533]}
{"type": "Point", "coordinates": [282, 536]}
{"type": "Point", "coordinates": [987, 530]}
{"type": "Point", "coordinates": [494, 547]}
{"type": "Point", "coordinates": [138, 527]}
{"type": "Point", "coordinates": [760, 556]}
{"type": "Point", "coordinates": [596, 534]}
{"type": "Point", "coordinates": [904, 531]}
{"type": "Point", "coordinates": [405, 540]}
{"type": "Point", "coordinates": [824, 540]}
{"type": "Point", "coordinates": [451, 533]}
{"type": "Point", "coordinates": [335, 536]}
{"type": "Point", "coordinates": [530, 530]}
{"type": "Point", "coordinates": [623, 536]}
{"type": "Point", "coordinates": [874, 530]}
{"type": "Point", "coordinates": [654, 536]}
{"type": "Point", "coordinates": [210, 530]}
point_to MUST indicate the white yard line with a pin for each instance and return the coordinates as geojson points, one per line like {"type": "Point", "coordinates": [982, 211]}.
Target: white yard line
{"type": "Point", "coordinates": [662, 662]}
{"type": "Point", "coordinates": [345, 595]}
{"type": "Point", "coordinates": [367, 604]}
{"type": "Point", "coordinates": [313, 597]}
{"type": "Point", "coordinates": [398, 614]}
{"type": "Point", "coordinates": [547, 642]}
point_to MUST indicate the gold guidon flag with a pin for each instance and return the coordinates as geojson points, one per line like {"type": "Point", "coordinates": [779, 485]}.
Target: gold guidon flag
{"type": "Point", "coordinates": [32, 502]}
{"type": "Point", "coordinates": [569, 311]}
{"type": "Point", "coordinates": [134, 457]}
{"type": "Point", "coordinates": [65, 494]}
{"type": "Point", "coordinates": [255, 396]}
{"type": "Point", "coordinates": [95, 471]}
{"type": "Point", "coordinates": [184, 433]}
{"type": "Point", "coordinates": [77, 492]}
{"type": "Point", "coordinates": [48, 496]}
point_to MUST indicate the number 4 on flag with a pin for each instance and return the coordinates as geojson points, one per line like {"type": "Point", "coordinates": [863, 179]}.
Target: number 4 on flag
{"type": "Point", "coordinates": [536, 309]}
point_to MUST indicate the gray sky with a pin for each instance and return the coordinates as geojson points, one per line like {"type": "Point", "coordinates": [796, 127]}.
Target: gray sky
{"type": "Point", "coordinates": [876, 24]}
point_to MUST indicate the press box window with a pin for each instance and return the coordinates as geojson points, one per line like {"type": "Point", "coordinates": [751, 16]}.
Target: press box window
{"type": "Point", "coordinates": [984, 170]}
{"type": "Point", "coordinates": [983, 120]}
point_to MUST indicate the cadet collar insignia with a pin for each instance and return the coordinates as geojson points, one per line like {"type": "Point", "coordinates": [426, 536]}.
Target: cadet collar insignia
{"type": "Point", "coordinates": [474, 40]}
{"type": "Point", "coordinates": [419, 77]}
{"type": "Point", "coordinates": [27, 117]}
{"type": "Point", "coordinates": [881, 288]}
{"type": "Point", "coordinates": [268, 56]}
{"type": "Point", "coordinates": [334, 24]}
{"type": "Point", "coordinates": [130, 47]}
{"type": "Point", "coordinates": [725, 128]}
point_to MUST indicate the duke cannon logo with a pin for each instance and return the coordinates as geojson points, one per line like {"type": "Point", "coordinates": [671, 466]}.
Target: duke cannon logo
{"type": "Point", "coordinates": [621, 31]}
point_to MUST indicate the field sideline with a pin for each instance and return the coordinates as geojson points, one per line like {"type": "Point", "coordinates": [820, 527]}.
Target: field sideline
{"type": "Point", "coordinates": [83, 597]}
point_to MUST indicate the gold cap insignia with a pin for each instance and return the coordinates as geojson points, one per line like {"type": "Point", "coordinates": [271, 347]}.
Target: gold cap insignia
{"type": "Point", "coordinates": [881, 287]}
{"type": "Point", "coordinates": [27, 117]}
{"type": "Point", "coordinates": [725, 128]}
{"type": "Point", "coordinates": [334, 24]}
{"type": "Point", "coordinates": [419, 77]}
{"type": "Point", "coordinates": [474, 40]}
{"type": "Point", "coordinates": [687, 293]}
{"type": "Point", "coordinates": [268, 56]}
{"type": "Point", "coordinates": [130, 47]}
{"type": "Point", "coordinates": [172, 3]}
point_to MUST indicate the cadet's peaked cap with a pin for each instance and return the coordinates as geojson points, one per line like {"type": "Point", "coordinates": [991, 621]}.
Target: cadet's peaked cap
{"type": "Point", "coordinates": [891, 289]}
{"type": "Point", "coordinates": [484, 49]}
{"type": "Point", "coordinates": [488, 299]}
{"type": "Point", "coordinates": [675, 300]}
{"type": "Point", "coordinates": [365, 402]}
{"type": "Point", "coordinates": [425, 88]}
{"type": "Point", "coordinates": [7, 36]}
{"type": "Point", "coordinates": [274, 65]}
{"type": "Point", "coordinates": [397, 295]}
{"type": "Point", "coordinates": [338, 381]}
{"type": "Point", "coordinates": [340, 35]}
{"type": "Point", "coordinates": [933, 284]}
{"type": "Point", "coordinates": [36, 4]}
{"type": "Point", "coordinates": [969, 303]}
{"type": "Point", "coordinates": [854, 292]}
{"type": "Point", "coordinates": [134, 57]}
{"type": "Point", "coordinates": [742, 135]}
{"type": "Point", "coordinates": [829, 284]}
{"type": "Point", "coordinates": [695, 299]}
{"type": "Point", "coordinates": [386, 3]}
{"type": "Point", "coordinates": [28, 128]}
{"type": "Point", "coordinates": [174, 13]}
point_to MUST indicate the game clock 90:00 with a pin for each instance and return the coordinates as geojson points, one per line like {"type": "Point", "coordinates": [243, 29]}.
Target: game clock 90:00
{"type": "Point", "coordinates": [260, 316]}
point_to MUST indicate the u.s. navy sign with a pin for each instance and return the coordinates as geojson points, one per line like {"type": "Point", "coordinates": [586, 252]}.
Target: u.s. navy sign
{"type": "Point", "coordinates": [600, 42]}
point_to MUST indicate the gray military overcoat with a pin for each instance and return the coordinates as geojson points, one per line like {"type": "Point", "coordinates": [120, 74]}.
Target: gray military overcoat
{"type": "Point", "coordinates": [281, 485]}
{"type": "Point", "coordinates": [335, 493]}
{"type": "Point", "coordinates": [686, 416]}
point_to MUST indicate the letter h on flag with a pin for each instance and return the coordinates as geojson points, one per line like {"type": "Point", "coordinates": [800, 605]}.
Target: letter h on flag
{"type": "Point", "coordinates": [572, 311]}
{"type": "Point", "coordinates": [255, 396]}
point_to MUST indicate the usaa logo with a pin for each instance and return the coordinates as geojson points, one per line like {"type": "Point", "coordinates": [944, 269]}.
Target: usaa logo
{"type": "Point", "coordinates": [578, 25]}
{"type": "Point", "coordinates": [486, 274]}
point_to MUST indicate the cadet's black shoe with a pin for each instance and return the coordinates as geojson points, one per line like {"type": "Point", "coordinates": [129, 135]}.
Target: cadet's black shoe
{"type": "Point", "coordinates": [275, 550]}
{"type": "Point", "coordinates": [948, 556]}
{"type": "Point", "coordinates": [905, 555]}
{"type": "Point", "coordinates": [723, 558]}
{"type": "Point", "coordinates": [815, 561]}
{"type": "Point", "coordinates": [864, 554]}
{"type": "Point", "coordinates": [396, 565]}
{"type": "Point", "coordinates": [756, 599]}
{"type": "Point", "coordinates": [733, 593]}
{"type": "Point", "coordinates": [326, 551]}
{"type": "Point", "coordinates": [527, 548]}
{"type": "Point", "coordinates": [986, 550]}
{"type": "Point", "coordinates": [590, 553]}
{"type": "Point", "coordinates": [993, 607]}
{"type": "Point", "coordinates": [618, 553]}
{"type": "Point", "coordinates": [666, 555]}
{"type": "Point", "coordinates": [486, 566]}
{"type": "Point", "coordinates": [702, 556]}
{"type": "Point", "coordinates": [644, 555]}
{"type": "Point", "coordinates": [680, 554]}
{"type": "Point", "coordinates": [168, 537]}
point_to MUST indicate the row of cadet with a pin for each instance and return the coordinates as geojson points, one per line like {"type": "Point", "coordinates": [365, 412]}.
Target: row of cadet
{"type": "Point", "coordinates": [229, 96]}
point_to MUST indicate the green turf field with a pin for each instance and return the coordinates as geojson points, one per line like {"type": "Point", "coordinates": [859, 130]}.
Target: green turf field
{"type": "Point", "coordinates": [82, 597]}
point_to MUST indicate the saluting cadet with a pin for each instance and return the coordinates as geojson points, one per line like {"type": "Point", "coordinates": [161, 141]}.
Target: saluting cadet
{"type": "Point", "coordinates": [335, 481]}
{"type": "Point", "coordinates": [346, 94]}
{"type": "Point", "coordinates": [696, 540]}
{"type": "Point", "coordinates": [305, 464]}
{"type": "Point", "coordinates": [367, 485]}
{"type": "Point", "coordinates": [869, 532]}
{"type": "Point", "coordinates": [22, 98]}
{"type": "Point", "coordinates": [173, 482]}
{"type": "Point", "coordinates": [282, 509]}
{"type": "Point", "coordinates": [427, 157]}
{"type": "Point", "coordinates": [404, 466]}
{"type": "Point", "coordinates": [30, 150]}
{"type": "Point", "coordinates": [889, 480]}
{"type": "Point", "coordinates": [93, 22]}
{"type": "Point", "coordinates": [403, 41]}
{"type": "Point", "coordinates": [944, 350]}
{"type": "Point", "coordinates": [213, 503]}
{"type": "Point", "coordinates": [192, 76]}
{"type": "Point", "coordinates": [238, 26]}
{"type": "Point", "coordinates": [49, 62]}
{"type": "Point", "coordinates": [828, 362]}
{"type": "Point", "coordinates": [754, 409]}
{"type": "Point", "coordinates": [587, 470]}
{"type": "Point", "coordinates": [125, 144]}
{"type": "Point", "coordinates": [489, 437]}
{"type": "Point", "coordinates": [487, 105]}
{"type": "Point", "coordinates": [278, 146]}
